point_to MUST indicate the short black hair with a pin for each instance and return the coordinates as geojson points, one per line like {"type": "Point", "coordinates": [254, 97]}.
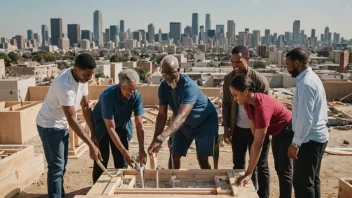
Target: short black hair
{"type": "Point", "coordinates": [298, 54]}
{"type": "Point", "coordinates": [242, 82]}
{"type": "Point", "coordinates": [240, 49]}
{"type": "Point", "coordinates": [85, 61]}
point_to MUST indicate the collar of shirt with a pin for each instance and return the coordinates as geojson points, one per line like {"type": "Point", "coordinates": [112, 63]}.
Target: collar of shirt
{"type": "Point", "coordinates": [301, 75]}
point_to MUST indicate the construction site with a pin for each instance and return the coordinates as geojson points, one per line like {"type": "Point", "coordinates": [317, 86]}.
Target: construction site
{"type": "Point", "coordinates": [23, 166]}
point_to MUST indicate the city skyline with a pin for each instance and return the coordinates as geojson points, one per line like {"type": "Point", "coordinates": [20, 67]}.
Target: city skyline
{"type": "Point", "coordinates": [312, 18]}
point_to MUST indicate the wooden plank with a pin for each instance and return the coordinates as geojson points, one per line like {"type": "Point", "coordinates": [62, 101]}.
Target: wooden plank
{"type": "Point", "coordinates": [28, 106]}
{"type": "Point", "coordinates": [14, 107]}
{"type": "Point", "coordinates": [78, 152]}
{"type": "Point", "coordinates": [153, 161]}
{"type": "Point", "coordinates": [16, 159]}
{"type": "Point", "coordinates": [17, 180]}
{"type": "Point", "coordinates": [105, 184]}
{"type": "Point", "coordinates": [345, 188]}
{"type": "Point", "coordinates": [170, 191]}
{"type": "Point", "coordinates": [113, 184]}
{"type": "Point", "coordinates": [218, 172]}
{"type": "Point", "coordinates": [132, 182]}
{"type": "Point", "coordinates": [232, 183]}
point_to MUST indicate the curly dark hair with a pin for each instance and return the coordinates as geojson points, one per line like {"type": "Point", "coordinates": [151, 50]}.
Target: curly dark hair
{"type": "Point", "coordinates": [241, 49]}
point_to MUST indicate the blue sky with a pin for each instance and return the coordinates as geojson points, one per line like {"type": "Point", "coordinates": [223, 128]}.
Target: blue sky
{"type": "Point", "coordinates": [16, 16]}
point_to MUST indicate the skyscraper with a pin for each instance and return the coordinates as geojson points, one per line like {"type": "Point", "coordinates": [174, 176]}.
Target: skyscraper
{"type": "Point", "coordinates": [107, 35]}
{"type": "Point", "coordinates": [175, 31]}
{"type": "Point", "coordinates": [188, 30]}
{"type": "Point", "coordinates": [312, 33]}
{"type": "Point", "coordinates": [256, 38]}
{"type": "Point", "coordinates": [296, 31]}
{"type": "Point", "coordinates": [20, 41]}
{"type": "Point", "coordinates": [56, 30]}
{"type": "Point", "coordinates": [29, 35]}
{"type": "Point", "coordinates": [201, 33]}
{"type": "Point", "coordinates": [151, 33]}
{"type": "Point", "coordinates": [86, 34]}
{"type": "Point", "coordinates": [74, 34]}
{"type": "Point", "coordinates": [231, 29]}
{"type": "Point", "coordinates": [326, 33]}
{"type": "Point", "coordinates": [287, 36]}
{"type": "Point", "coordinates": [144, 35]}
{"type": "Point", "coordinates": [267, 37]}
{"type": "Point", "coordinates": [137, 36]}
{"type": "Point", "coordinates": [98, 27]}
{"type": "Point", "coordinates": [45, 34]}
{"type": "Point", "coordinates": [122, 30]}
{"type": "Point", "coordinates": [160, 34]}
{"type": "Point", "coordinates": [219, 31]}
{"type": "Point", "coordinates": [207, 22]}
{"type": "Point", "coordinates": [38, 38]}
{"type": "Point", "coordinates": [195, 25]}
{"type": "Point", "coordinates": [113, 32]}
{"type": "Point", "coordinates": [322, 38]}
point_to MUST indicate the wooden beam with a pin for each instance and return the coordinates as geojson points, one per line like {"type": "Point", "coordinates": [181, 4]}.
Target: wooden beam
{"type": "Point", "coordinates": [113, 184]}
{"type": "Point", "coordinates": [345, 188]}
{"type": "Point", "coordinates": [132, 182]}
{"type": "Point", "coordinates": [232, 183]}
{"type": "Point", "coordinates": [171, 191]}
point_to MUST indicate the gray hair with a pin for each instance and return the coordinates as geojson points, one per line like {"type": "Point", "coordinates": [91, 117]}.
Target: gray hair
{"type": "Point", "coordinates": [170, 60]}
{"type": "Point", "coordinates": [128, 76]}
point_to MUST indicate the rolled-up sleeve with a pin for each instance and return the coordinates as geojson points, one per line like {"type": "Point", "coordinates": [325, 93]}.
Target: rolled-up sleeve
{"type": "Point", "coordinates": [304, 115]}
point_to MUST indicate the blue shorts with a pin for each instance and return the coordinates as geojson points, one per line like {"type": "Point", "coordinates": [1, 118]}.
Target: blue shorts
{"type": "Point", "coordinates": [206, 137]}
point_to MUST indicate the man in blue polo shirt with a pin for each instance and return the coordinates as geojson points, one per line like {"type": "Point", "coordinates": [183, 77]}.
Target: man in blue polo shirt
{"type": "Point", "coordinates": [195, 117]}
{"type": "Point", "coordinates": [112, 119]}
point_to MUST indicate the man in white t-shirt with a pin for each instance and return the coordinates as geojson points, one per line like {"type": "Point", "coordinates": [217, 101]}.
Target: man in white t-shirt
{"type": "Point", "coordinates": [66, 93]}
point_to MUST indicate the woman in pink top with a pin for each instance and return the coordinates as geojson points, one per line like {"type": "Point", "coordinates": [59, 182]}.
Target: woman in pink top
{"type": "Point", "coordinates": [266, 116]}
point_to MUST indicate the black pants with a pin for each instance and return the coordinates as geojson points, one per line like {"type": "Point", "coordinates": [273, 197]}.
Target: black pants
{"type": "Point", "coordinates": [283, 165]}
{"type": "Point", "coordinates": [241, 141]}
{"type": "Point", "coordinates": [306, 181]}
{"type": "Point", "coordinates": [104, 145]}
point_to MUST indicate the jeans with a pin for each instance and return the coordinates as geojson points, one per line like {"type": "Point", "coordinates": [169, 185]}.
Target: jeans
{"type": "Point", "coordinates": [283, 165]}
{"type": "Point", "coordinates": [55, 144]}
{"type": "Point", "coordinates": [306, 169]}
{"type": "Point", "coordinates": [241, 141]}
{"type": "Point", "coordinates": [104, 145]}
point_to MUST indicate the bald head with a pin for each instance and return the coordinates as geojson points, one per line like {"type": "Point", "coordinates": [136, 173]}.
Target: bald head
{"type": "Point", "coordinates": [169, 62]}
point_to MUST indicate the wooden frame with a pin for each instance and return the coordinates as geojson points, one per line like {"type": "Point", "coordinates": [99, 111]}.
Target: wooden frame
{"type": "Point", "coordinates": [18, 121]}
{"type": "Point", "coordinates": [19, 167]}
{"type": "Point", "coordinates": [110, 187]}
{"type": "Point", "coordinates": [345, 188]}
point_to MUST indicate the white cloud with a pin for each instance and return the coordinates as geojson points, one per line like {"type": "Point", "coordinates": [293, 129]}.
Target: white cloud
{"type": "Point", "coordinates": [347, 7]}
{"type": "Point", "coordinates": [256, 2]}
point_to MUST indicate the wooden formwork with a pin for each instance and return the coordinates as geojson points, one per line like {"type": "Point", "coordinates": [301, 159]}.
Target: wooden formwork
{"type": "Point", "coordinates": [18, 121]}
{"type": "Point", "coordinates": [19, 167]}
{"type": "Point", "coordinates": [345, 188]}
{"type": "Point", "coordinates": [117, 186]}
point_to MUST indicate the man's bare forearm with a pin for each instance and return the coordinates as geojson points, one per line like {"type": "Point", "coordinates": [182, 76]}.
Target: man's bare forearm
{"type": "Point", "coordinates": [160, 124]}
{"type": "Point", "coordinates": [116, 139]}
{"type": "Point", "coordinates": [140, 136]}
{"type": "Point", "coordinates": [88, 116]}
{"type": "Point", "coordinates": [177, 122]}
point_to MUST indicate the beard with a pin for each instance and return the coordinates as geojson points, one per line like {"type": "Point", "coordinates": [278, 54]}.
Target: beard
{"type": "Point", "coordinates": [173, 85]}
{"type": "Point", "coordinates": [294, 73]}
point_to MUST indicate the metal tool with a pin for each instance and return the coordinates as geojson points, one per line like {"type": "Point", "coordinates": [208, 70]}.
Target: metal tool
{"type": "Point", "coordinates": [157, 177]}
{"type": "Point", "coordinates": [103, 168]}
{"type": "Point", "coordinates": [173, 177]}
{"type": "Point", "coordinates": [140, 168]}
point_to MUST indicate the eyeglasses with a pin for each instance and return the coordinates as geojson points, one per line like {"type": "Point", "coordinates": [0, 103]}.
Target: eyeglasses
{"type": "Point", "coordinates": [128, 90]}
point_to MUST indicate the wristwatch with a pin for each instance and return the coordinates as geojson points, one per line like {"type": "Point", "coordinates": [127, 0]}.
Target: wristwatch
{"type": "Point", "coordinates": [160, 138]}
{"type": "Point", "coordinates": [294, 145]}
